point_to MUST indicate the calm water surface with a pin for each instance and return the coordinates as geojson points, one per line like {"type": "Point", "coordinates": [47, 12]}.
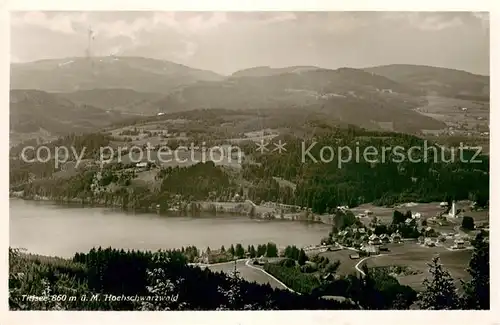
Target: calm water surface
{"type": "Point", "coordinates": [49, 229]}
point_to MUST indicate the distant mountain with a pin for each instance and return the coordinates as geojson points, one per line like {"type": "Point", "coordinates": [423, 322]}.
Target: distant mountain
{"type": "Point", "coordinates": [136, 73]}
{"type": "Point", "coordinates": [36, 113]}
{"type": "Point", "coordinates": [438, 81]}
{"type": "Point", "coordinates": [308, 87]}
{"type": "Point", "coordinates": [122, 100]}
{"type": "Point", "coordinates": [268, 71]}
{"type": "Point", "coordinates": [346, 95]}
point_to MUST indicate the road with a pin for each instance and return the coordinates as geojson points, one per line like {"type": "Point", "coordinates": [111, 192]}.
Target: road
{"type": "Point", "coordinates": [357, 266]}
{"type": "Point", "coordinates": [248, 272]}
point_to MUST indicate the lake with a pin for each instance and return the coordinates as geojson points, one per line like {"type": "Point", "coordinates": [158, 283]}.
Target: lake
{"type": "Point", "coordinates": [50, 229]}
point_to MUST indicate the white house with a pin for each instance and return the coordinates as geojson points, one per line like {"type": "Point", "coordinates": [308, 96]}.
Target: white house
{"type": "Point", "coordinates": [368, 212]}
{"type": "Point", "coordinates": [342, 233]}
{"type": "Point", "coordinates": [385, 238]}
{"type": "Point", "coordinates": [429, 242]}
{"type": "Point", "coordinates": [443, 204]}
{"type": "Point", "coordinates": [416, 215]}
{"type": "Point", "coordinates": [141, 164]}
{"type": "Point", "coordinates": [371, 249]}
{"type": "Point", "coordinates": [459, 244]}
{"type": "Point", "coordinates": [374, 240]}
{"type": "Point", "coordinates": [396, 237]}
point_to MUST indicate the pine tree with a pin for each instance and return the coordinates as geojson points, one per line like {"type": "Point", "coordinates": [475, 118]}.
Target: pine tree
{"type": "Point", "coordinates": [302, 257]}
{"type": "Point", "coordinates": [440, 292]}
{"type": "Point", "coordinates": [239, 251]}
{"type": "Point", "coordinates": [231, 250]}
{"type": "Point", "coordinates": [253, 252]}
{"type": "Point", "coordinates": [477, 290]}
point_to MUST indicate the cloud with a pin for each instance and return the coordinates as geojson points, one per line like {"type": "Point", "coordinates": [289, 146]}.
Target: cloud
{"type": "Point", "coordinates": [58, 23]}
{"type": "Point", "coordinates": [436, 23]}
{"type": "Point", "coordinates": [227, 41]}
{"type": "Point", "coordinates": [426, 21]}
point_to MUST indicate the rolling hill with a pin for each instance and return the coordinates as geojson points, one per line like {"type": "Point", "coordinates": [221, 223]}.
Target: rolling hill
{"type": "Point", "coordinates": [34, 113]}
{"type": "Point", "coordinates": [345, 95]}
{"type": "Point", "coordinates": [438, 81]}
{"type": "Point", "coordinates": [121, 100]}
{"type": "Point", "coordinates": [384, 97]}
{"type": "Point", "coordinates": [136, 73]}
{"type": "Point", "coordinates": [268, 71]}
{"type": "Point", "coordinates": [307, 87]}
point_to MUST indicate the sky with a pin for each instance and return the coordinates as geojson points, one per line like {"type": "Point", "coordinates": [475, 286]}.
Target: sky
{"type": "Point", "coordinates": [225, 42]}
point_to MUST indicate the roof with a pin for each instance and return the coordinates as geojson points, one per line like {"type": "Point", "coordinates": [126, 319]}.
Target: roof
{"type": "Point", "coordinates": [373, 236]}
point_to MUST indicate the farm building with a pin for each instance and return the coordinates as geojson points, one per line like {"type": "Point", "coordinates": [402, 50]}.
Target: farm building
{"type": "Point", "coordinates": [374, 240]}
{"type": "Point", "coordinates": [384, 238]}
{"type": "Point", "coordinates": [459, 244]}
{"type": "Point", "coordinates": [371, 249]}
{"type": "Point", "coordinates": [396, 237]}
{"type": "Point", "coordinates": [354, 256]}
{"type": "Point", "coordinates": [429, 242]}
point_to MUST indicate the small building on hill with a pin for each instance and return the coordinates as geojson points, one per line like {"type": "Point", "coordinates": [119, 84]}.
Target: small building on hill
{"type": "Point", "coordinates": [354, 256]}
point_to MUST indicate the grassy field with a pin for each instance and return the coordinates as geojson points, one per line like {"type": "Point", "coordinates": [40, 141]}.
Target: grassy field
{"type": "Point", "coordinates": [417, 258]}
{"type": "Point", "coordinates": [247, 273]}
{"type": "Point", "coordinates": [449, 110]}
{"type": "Point", "coordinates": [346, 263]}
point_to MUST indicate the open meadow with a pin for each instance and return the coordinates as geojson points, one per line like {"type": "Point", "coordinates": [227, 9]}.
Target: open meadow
{"type": "Point", "coordinates": [417, 257]}
{"type": "Point", "coordinates": [249, 273]}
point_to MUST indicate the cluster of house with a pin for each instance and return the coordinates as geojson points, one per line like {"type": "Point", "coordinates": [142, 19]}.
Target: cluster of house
{"type": "Point", "coordinates": [384, 239]}
{"type": "Point", "coordinates": [373, 243]}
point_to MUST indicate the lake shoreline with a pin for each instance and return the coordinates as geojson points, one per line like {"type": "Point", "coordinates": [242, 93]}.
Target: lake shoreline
{"type": "Point", "coordinates": [47, 228]}
{"type": "Point", "coordinates": [214, 209]}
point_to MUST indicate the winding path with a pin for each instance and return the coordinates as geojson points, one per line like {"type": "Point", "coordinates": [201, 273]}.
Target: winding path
{"type": "Point", "coordinates": [247, 263]}
{"type": "Point", "coordinates": [359, 263]}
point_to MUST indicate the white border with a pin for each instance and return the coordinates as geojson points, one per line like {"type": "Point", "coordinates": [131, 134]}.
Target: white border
{"type": "Point", "coordinates": [219, 318]}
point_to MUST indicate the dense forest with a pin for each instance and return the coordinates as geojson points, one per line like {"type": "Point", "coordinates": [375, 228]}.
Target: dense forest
{"type": "Point", "coordinates": [431, 173]}
{"type": "Point", "coordinates": [110, 279]}
{"type": "Point", "coordinates": [431, 176]}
